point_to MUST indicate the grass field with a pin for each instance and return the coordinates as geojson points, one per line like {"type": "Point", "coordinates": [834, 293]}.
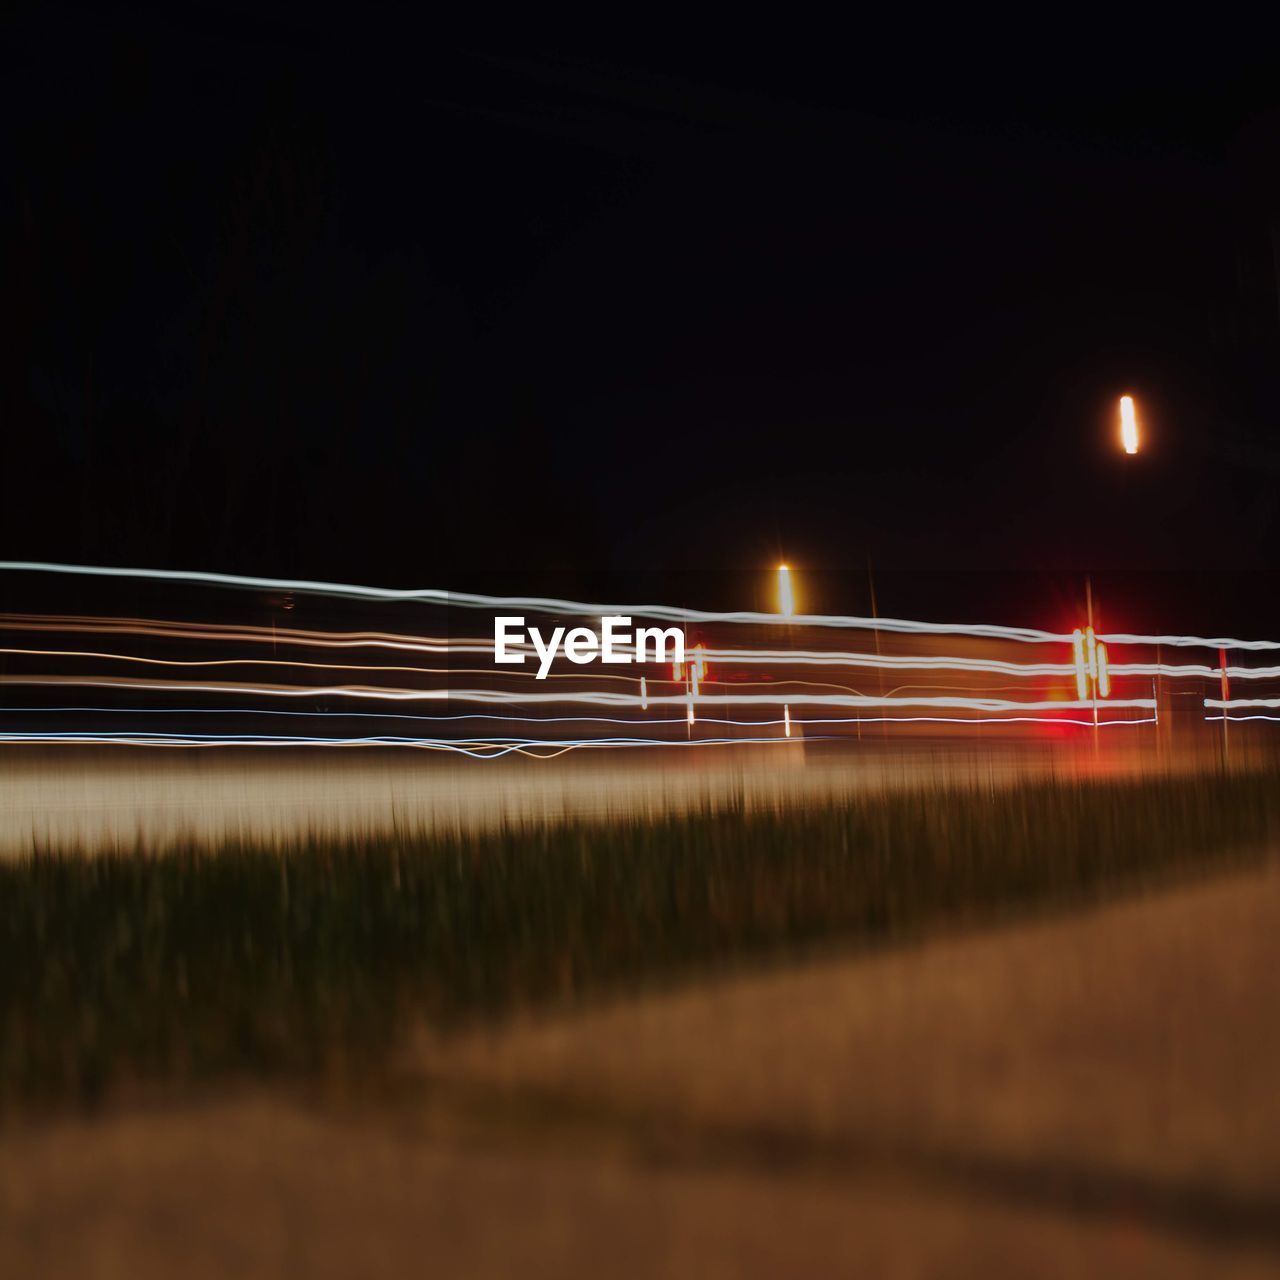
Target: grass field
{"type": "Point", "coordinates": [317, 957]}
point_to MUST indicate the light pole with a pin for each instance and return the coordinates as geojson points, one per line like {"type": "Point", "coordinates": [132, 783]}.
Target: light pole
{"type": "Point", "coordinates": [786, 598]}
{"type": "Point", "coordinates": [787, 608]}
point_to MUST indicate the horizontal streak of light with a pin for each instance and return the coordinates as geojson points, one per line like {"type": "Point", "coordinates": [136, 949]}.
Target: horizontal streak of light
{"type": "Point", "coordinates": [781, 699]}
{"type": "Point", "coordinates": [759, 657]}
{"type": "Point", "coordinates": [746, 656]}
{"type": "Point", "coordinates": [237, 662]}
{"type": "Point", "coordinates": [506, 718]}
{"type": "Point", "coordinates": [466, 746]}
{"type": "Point", "coordinates": [217, 631]}
{"type": "Point", "coordinates": [228, 686]}
{"type": "Point", "coordinates": [309, 666]}
{"type": "Point", "coordinates": [1189, 642]}
{"type": "Point", "coordinates": [981, 666]}
{"type": "Point", "coordinates": [603, 698]}
{"type": "Point", "coordinates": [537, 604]}
{"type": "Point", "coordinates": [887, 662]}
{"type": "Point", "coordinates": [779, 657]}
{"type": "Point", "coordinates": [355, 715]}
{"type": "Point", "coordinates": [1192, 670]}
{"type": "Point", "coordinates": [660, 612]}
{"type": "Point", "coordinates": [1232, 704]}
{"type": "Point", "coordinates": [477, 748]}
{"type": "Point", "coordinates": [1088, 724]}
{"type": "Point", "coordinates": [82, 624]}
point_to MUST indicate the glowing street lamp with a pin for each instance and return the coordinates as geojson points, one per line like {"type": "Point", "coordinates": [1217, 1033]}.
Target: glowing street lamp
{"type": "Point", "coordinates": [786, 601]}
{"type": "Point", "coordinates": [1082, 671]}
{"type": "Point", "coordinates": [1128, 425]}
{"type": "Point", "coordinates": [1093, 671]}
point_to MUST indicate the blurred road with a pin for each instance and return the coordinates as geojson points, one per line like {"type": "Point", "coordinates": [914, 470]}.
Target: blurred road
{"type": "Point", "coordinates": [1089, 1095]}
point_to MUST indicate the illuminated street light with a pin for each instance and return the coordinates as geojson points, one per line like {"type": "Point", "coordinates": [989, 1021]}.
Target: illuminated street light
{"type": "Point", "coordinates": [786, 601]}
{"type": "Point", "coordinates": [1092, 668]}
{"type": "Point", "coordinates": [1082, 672]}
{"type": "Point", "coordinates": [1128, 425]}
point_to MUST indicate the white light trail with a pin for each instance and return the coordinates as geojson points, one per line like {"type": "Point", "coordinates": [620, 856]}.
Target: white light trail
{"type": "Point", "coordinates": [644, 722]}
{"type": "Point", "coordinates": [751, 699]}
{"type": "Point", "coordinates": [782, 699]}
{"type": "Point", "coordinates": [1188, 642]}
{"type": "Point", "coordinates": [591, 698]}
{"type": "Point", "coordinates": [1234, 704]}
{"type": "Point", "coordinates": [483, 748]}
{"type": "Point", "coordinates": [215, 631]}
{"type": "Point", "coordinates": [459, 599]}
{"type": "Point", "coordinates": [745, 657]}
{"type": "Point", "coordinates": [536, 604]}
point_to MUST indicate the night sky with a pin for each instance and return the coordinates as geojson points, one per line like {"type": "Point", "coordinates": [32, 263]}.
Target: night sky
{"type": "Point", "coordinates": [358, 299]}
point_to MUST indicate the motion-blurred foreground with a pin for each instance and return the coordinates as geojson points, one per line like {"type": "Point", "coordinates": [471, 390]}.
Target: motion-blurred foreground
{"type": "Point", "coordinates": [944, 951]}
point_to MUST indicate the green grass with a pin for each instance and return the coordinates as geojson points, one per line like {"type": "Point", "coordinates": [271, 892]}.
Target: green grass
{"type": "Point", "coordinates": [303, 959]}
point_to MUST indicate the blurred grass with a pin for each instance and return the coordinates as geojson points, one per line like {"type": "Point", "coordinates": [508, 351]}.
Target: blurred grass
{"type": "Point", "coordinates": [305, 958]}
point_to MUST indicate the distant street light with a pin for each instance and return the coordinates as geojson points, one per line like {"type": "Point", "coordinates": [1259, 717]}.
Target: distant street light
{"type": "Point", "coordinates": [1128, 425]}
{"type": "Point", "coordinates": [1093, 668]}
{"type": "Point", "coordinates": [786, 601]}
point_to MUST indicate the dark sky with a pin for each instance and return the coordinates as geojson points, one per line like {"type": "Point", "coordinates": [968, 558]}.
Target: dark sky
{"type": "Point", "coordinates": [362, 299]}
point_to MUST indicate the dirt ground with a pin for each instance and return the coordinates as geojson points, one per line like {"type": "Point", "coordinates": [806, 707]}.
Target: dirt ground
{"type": "Point", "coordinates": [1089, 1095]}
